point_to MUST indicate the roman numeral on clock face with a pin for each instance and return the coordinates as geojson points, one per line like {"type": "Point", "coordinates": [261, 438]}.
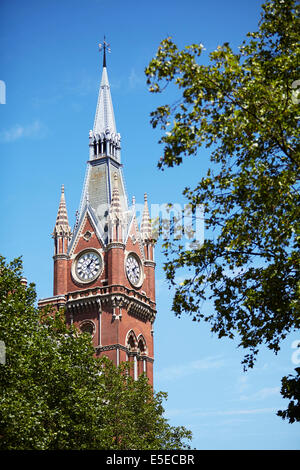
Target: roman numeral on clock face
{"type": "Point", "coordinates": [88, 266]}
{"type": "Point", "coordinates": [133, 270]}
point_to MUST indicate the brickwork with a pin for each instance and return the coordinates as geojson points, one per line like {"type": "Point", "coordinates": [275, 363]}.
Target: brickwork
{"type": "Point", "coordinates": [95, 266]}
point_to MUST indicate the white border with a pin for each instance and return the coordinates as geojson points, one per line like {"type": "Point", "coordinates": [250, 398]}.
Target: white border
{"type": "Point", "coordinates": [142, 276]}
{"type": "Point", "coordinates": [75, 277]}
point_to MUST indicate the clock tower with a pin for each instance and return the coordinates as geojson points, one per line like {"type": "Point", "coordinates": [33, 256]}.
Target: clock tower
{"type": "Point", "coordinates": [104, 269]}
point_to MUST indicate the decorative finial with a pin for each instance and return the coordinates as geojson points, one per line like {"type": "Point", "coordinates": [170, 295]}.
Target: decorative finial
{"type": "Point", "coordinates": [106, 47]}
{"type": "Point", "coordinates": [146, 229]}
{"type": "Point", "coordinates": [133, 200]}
{"type": "Point", "coordinates": [62, 223]}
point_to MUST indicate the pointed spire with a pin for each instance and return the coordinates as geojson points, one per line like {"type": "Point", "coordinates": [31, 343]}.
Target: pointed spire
{"type": "Point", "coordinates": [104, 160]}
{"type": "Point", "coordinates": [62, 223]}
{"type": "Point", "coordinates": [115, 210]}
{"type": "Point", "coordinates": [116, 216]}
{"type": "Point", "coordinates": [146, 229]}
{"type": "Point", "coordinates": [104, 118]}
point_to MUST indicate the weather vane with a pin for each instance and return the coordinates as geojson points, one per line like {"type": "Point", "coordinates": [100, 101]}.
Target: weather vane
{"type": "Point", "coordinates": [106, 47]}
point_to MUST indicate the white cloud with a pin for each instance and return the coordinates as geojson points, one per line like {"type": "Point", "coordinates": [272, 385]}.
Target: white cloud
{"type": "Point", "coordinates": [182, 370]}
{"type": "Point", "coordinates": [33, 130]}
{"type": "Point", "coordinates": [84, 86]}
{"type": "Point", "coordinates": [134, 79]}
{"type": "Point", "coordinates": [242, 383]}
{"type": "Point", "coordinates": [262, 394]}
{"type": "Point", "coordinates": [199, 412]}
{"type": "Point", "coordinates": [254, 411]}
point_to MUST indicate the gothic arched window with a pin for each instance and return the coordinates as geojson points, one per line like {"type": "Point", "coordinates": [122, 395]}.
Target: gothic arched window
{"type": "Point", "coordinates": [87, 326]}
{"type": "Point", "coordinates": [131, 341]}
{"type": "Point", "coordinates": [142, 346]}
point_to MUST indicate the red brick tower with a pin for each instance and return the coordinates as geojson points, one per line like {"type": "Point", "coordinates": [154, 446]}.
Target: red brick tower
{"type": "Point", "coordinates": [104, 272]}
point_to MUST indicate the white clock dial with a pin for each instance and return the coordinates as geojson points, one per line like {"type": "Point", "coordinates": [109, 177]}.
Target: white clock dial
{"type": "Point", "coordinates": [88, 266]}
{"type": "Point", "coordinates": [133, 270]}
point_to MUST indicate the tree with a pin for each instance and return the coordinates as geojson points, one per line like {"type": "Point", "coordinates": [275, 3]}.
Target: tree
{"type": "Point", "coordinates": [243, 107]}
{"type": "Point", "coordinates": [291, 389]}
{"type": "Point", "coordinates": [55, 394]}
{"type": "Point", "coordinates": [134, 419]}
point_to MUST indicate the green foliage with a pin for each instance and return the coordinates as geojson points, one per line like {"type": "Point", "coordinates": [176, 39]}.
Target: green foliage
{"type": "Point", "coordinates": [134, 419]}
{"type": "Point", "coordinates": [244, 108]}
{"type": "Point", "coordinates": [55, 394]}
{"type": "Point", "coordinates": [291, 389]}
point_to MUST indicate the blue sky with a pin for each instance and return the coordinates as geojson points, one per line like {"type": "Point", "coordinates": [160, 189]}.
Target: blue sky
{"type": "Point", "coordinates": [51, 67]}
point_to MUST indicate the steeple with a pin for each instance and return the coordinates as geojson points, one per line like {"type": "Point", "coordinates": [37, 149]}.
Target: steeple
{"type": "Point", "coordinates": [62, 227]}
{"type": "Point", "coordinates": [104, 272]}
{"type": "Point", "coordinates": [115, 210]}
{"type": "Point", "coordinates": [104, 118]}
{"type": "Point", "coordinates": [148, 240]}
{"type": "Point", "coordinates": [104, 161]}
{"type": "Point", "coordinates": [104, 123]}
{"type": "Point", "coordinates": [61, 235]}
{"type": "Point", "coordinates": [116, 216]}
{"type": "Point", "coordinates": [146, 230]}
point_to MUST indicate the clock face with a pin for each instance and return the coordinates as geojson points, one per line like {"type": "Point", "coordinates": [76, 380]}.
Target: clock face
{"type": "Point", "coordinates": [133, 270]}
{"type": "Point", "coordinates": [88, 266]}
